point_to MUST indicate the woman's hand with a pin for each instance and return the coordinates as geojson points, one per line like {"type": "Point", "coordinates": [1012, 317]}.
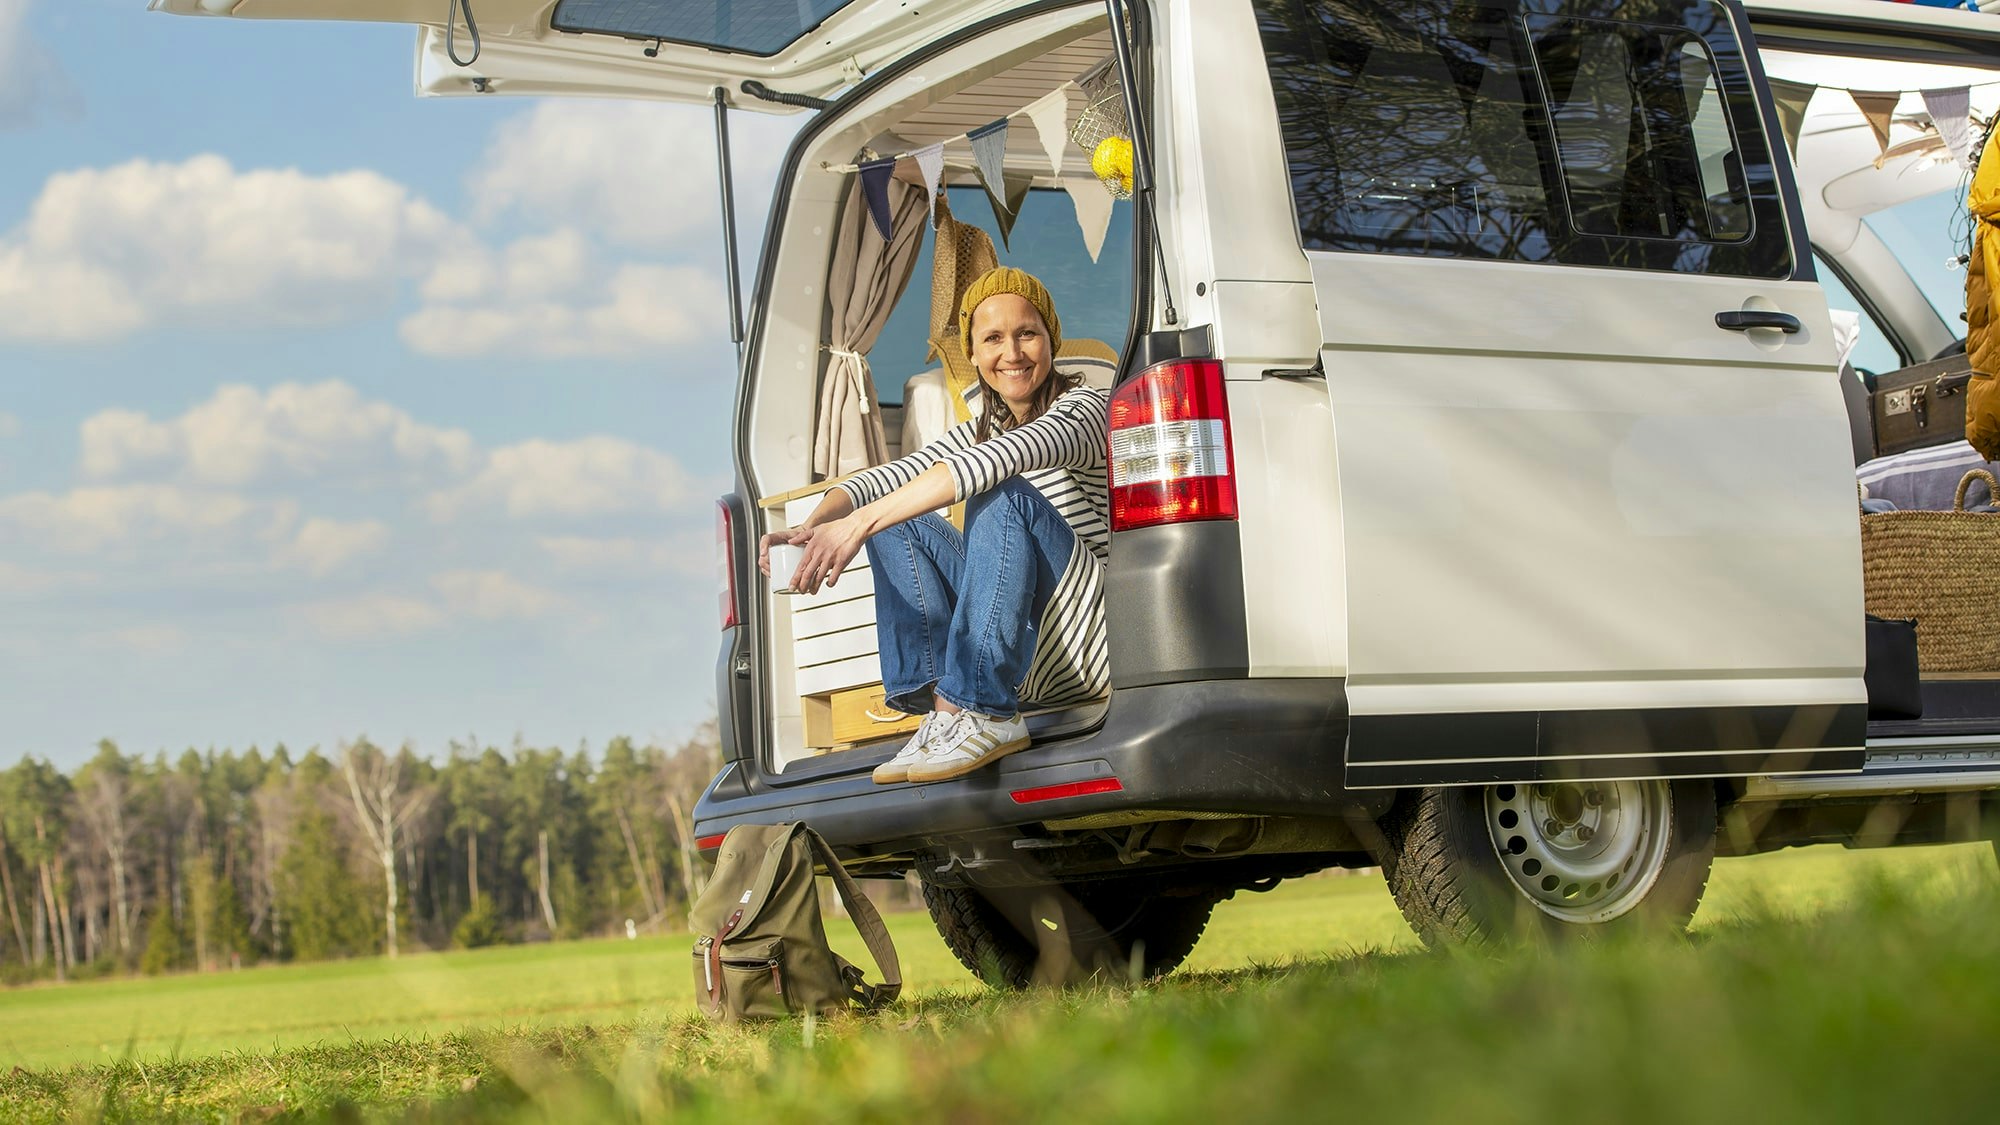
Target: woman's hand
{"type": "Point", "coordinates": [772, 539]}
{"type": "Point", "coordinates": [829, 548]}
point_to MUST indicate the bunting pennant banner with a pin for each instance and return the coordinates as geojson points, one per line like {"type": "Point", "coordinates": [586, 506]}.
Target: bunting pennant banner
{"type": "Point", "coordinates": [1951, 112]}
{"type": "Point", "coordinates": [930, 162]}
{"type": "Point", "coordinates": [1879, 109]}
{"type": "Point", "coordinates": [1051, 117]}
{"type": "Point", "coordinates": [1004, 214]}
{"type": "Point", "coordinates": [989, 155]}
{"type": "Point", "coordinates": [1792, 99]}
{"type": "Point", "coordinates": [875, 177]}
{"type": "Point", "coordinates": [1093, 209]}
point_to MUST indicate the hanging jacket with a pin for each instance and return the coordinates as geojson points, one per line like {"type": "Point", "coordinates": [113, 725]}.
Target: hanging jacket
{"type": "Point", "coordinates": [1982, 334]}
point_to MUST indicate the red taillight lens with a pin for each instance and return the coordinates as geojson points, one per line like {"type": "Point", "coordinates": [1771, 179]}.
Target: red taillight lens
{"type": "Point", "coordinates": [1171, 460]}
{"type": "Point", "coordinates": [725, 563]}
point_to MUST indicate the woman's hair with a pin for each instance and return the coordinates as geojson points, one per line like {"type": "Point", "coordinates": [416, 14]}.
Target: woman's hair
{"type": "Point", "coordinates": [995, 417]}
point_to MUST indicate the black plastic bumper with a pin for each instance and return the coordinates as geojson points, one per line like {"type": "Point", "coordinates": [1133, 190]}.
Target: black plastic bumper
{"type": "Point", "coordinates": [1263, 747]}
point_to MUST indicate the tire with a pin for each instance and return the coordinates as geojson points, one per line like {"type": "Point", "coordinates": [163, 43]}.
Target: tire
{"type": "Point", "coordinates": [1064, 934]}
{"type": "Point", "coordinates": [1480, 866]}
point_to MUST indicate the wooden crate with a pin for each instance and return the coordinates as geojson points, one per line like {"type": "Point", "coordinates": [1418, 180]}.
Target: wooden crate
{"type": "Point", "coordinates": [840, 719]}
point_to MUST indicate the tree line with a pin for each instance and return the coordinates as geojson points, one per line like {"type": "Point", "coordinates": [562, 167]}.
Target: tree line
{"type": "Point", "coordinates": [216, 860]}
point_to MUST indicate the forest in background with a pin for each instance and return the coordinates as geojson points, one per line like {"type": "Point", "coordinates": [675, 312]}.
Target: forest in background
{"type": "Point", "coordinates": [218, 860]}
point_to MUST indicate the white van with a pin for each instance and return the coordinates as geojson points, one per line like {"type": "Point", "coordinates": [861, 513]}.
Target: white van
{"type": "Point", "coordinates": [1534, 557]}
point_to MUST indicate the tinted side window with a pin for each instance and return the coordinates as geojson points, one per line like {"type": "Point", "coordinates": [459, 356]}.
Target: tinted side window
{"type": "Point", "coordinates": [1597, 133]}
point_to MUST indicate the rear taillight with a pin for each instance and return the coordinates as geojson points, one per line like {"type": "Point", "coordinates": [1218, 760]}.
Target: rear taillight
{"type": "Point", "coordinates": [725, 563]}
{"type": "Point", "coordinates": [1171, 460]}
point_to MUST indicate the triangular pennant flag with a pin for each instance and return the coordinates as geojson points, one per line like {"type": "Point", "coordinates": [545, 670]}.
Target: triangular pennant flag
{"type": "Point", "coordinates": [1879, 109]}
{"type": "Point", "coordinates": [875, 177]}
{"type": "Point", "coordinates": [1050, 113]}
{"type": "Point", "coordinates": [1951, 112]}
{"type": "Point", "coordinates": [1004, 214]}
{"type": "Point", "coordinates": [1792, 99]}
{"type": "Point", "coordinates": [930, 161]}
{"type": "Point", "coordinates": [1093, 209]}
{"type": "Point", "coordinates": [989, 154]}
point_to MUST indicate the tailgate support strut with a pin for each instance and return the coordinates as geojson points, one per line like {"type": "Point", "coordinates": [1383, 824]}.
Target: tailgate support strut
{"type": "Point", "coordinates": [722, 172]}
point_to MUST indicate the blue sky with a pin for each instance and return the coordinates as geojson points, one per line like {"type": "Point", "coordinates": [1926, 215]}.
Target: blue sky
{"type": "Point", "coordinates": [328, 411]}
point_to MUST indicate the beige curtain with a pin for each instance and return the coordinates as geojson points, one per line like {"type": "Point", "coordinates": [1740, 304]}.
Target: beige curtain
{"type": "Point", "coordinates": [867, 277]}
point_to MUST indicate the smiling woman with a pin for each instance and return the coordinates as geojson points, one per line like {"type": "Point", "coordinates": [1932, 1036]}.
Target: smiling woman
{"type": "Point", "coordinates": [972, 626]}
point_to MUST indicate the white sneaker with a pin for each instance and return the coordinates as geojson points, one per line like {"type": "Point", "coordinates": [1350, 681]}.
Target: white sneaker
{"type": "Point", "coordinates": [898, 768]}
{"type": "Point", "coordinates": [971, 741]}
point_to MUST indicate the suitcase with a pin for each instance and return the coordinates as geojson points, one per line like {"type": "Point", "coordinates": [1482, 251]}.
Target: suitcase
{"type": "Point", "coordinates": [1921, 406]}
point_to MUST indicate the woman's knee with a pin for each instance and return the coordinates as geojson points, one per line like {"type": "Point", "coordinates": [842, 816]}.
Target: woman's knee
{"type": "Point", "coordinates": [1003, 505]}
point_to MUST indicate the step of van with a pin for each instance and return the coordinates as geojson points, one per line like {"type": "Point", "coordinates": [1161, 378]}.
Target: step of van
{"type": "Point", "coordinates": [1897, 767]}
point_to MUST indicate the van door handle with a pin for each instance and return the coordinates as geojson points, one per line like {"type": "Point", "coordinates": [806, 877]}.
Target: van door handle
{"type": "Point", "coordinates": [1743, 320]}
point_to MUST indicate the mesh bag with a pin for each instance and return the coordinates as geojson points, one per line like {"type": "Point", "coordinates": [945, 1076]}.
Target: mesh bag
{"type": "Point", "coordinates": [1103, 117]}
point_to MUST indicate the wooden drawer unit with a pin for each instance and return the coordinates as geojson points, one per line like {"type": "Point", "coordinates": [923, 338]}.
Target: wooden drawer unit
{"type": "Point", "coordinates": [846, 718]}
{"type": "Point", "coordinates": [837, 672]}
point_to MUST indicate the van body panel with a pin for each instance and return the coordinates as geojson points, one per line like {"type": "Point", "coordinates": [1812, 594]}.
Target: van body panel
{"type": "Point", "coordinates": [1576, 506]}
{"type": "Point", "coordinates": [1282, 429]}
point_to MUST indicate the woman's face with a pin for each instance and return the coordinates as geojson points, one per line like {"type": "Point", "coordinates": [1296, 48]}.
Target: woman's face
{"type": "Point", "coordinates": [1010, 347]}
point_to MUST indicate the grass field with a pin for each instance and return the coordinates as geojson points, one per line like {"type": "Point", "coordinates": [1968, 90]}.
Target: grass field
{"type": "Point", "coordinates": [1822, 984]}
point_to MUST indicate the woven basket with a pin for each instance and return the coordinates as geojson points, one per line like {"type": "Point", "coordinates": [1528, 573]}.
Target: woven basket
{"type": "Point", "coordinates": [1943, 569]}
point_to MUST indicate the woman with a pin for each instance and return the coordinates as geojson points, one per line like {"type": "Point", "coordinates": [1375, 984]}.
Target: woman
{"type": "Point", "coordinates": [972, 624]}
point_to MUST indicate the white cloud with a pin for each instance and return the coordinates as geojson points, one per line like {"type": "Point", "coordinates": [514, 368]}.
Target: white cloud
{"type": "Point", "coordinates": [691, 554]}
{"type": "Point", "coordinates": [30, 80]}
{"type": "Point", "coordinates": [105, 252]}
{"type": "Point", "coordinates": [519, 310]}
{"type": "Point", "coordinates": [369, 616]}
{"type": "Point", "coordinates": [588, 477]}
{"type": "Point", "coordinates": [91, 518]}
{"type": "Point", "coordinates": [242, 436]}
{"type": "Point", "coordinates": [9, 425]}
{"type": "Point", "coordinates": [147, 639]}
{"type": "Point", "coordinates": [643, 173]}
{"type": "Point", "coordinates": [491, 595]}
{"type": "Point", "coordinates": [323, 546]}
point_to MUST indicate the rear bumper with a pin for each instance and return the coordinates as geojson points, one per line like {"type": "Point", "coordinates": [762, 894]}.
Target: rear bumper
{"type": "Point", "coordinates": [1264, 747]}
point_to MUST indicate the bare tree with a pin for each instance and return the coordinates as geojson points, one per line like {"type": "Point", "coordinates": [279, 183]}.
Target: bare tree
{"type": "Point", "coordinates": [375, 780]}
{"type": "Point", "coordinates": [684, 773]}
{"type": "Point", "coordinates": [102, 799]}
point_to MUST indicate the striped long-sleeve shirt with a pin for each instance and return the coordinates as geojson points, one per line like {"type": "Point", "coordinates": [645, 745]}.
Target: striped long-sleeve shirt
{"type": "Point", "coordinates": [1061, 454]}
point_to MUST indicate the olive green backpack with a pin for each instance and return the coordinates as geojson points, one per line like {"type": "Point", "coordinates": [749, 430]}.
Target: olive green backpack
{"type": "Point", "coordinates": [760, 950]}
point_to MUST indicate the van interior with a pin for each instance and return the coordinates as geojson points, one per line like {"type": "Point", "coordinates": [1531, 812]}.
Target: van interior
{"type": "Point", "coordinates": [1888, 228]}
{"type": "Point", "coordinates": [1056, 220]}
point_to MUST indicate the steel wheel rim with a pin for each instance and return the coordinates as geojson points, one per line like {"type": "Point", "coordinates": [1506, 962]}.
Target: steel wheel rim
{"type": "Point", "coordinates": [1582, 852]}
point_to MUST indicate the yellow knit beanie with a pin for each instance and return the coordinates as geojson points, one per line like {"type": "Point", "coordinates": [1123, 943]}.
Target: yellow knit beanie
{"type": "Point", "coordinates": [1007, 279]}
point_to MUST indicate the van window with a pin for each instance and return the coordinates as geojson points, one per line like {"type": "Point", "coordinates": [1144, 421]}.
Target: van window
{"type": "Point", "coordinates": [1094, 299]}
{"type": "Point", "coordinates": [1640, 132]}
{"type": "Point", "coordinates": [752, 27]}
{"type": "Point", "coordinates": [1591, 133]}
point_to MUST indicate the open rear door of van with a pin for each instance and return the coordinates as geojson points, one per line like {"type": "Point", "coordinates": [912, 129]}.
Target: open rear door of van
{"type": "Point", "coordinates": [1873, 29]}
{"type": "Point", "coordinates": [669, 50]}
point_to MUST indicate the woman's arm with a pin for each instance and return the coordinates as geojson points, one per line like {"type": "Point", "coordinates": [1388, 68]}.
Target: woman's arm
{"type": "Point", "coordinates": [1071, 435]}
{"type": "Point", "coordinates": [831, 544]}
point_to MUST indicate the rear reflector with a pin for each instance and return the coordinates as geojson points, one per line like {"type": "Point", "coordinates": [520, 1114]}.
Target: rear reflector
{"type": "Point", "coordinates": [1067, 789]}
{"type": "Point", "coordinates": [708, 843]}
{"type": "Point", "coordinates": [725, 566]}
{"type": "Point", "coordinates": [1170, 455]}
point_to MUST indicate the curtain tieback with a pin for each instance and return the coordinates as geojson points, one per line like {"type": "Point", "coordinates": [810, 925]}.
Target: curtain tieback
{"type": "Point", "coordinates": [857, 373]}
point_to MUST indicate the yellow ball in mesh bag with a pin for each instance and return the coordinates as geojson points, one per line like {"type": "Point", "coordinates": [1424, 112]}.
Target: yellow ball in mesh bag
{"type": "Point", "coordinates": [1113, 164]}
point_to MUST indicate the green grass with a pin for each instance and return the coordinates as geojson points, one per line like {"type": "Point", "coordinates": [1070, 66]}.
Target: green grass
{"type": "Point", "coordinates": [1820, 985]}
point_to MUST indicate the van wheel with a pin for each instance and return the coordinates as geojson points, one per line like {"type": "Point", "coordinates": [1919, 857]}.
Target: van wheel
{"type": "Point", "coordinates": [1067, 933]}
{"type": "Point", "coordinates": [1477, 865]}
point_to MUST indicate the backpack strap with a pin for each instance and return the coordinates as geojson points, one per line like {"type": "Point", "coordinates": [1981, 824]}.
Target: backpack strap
{"type": "Point", "coordinates": [873, 933]}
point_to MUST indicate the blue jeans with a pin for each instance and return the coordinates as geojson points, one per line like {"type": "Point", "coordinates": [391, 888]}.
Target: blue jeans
{"type": "Point", "coordinates": [959, 614]}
